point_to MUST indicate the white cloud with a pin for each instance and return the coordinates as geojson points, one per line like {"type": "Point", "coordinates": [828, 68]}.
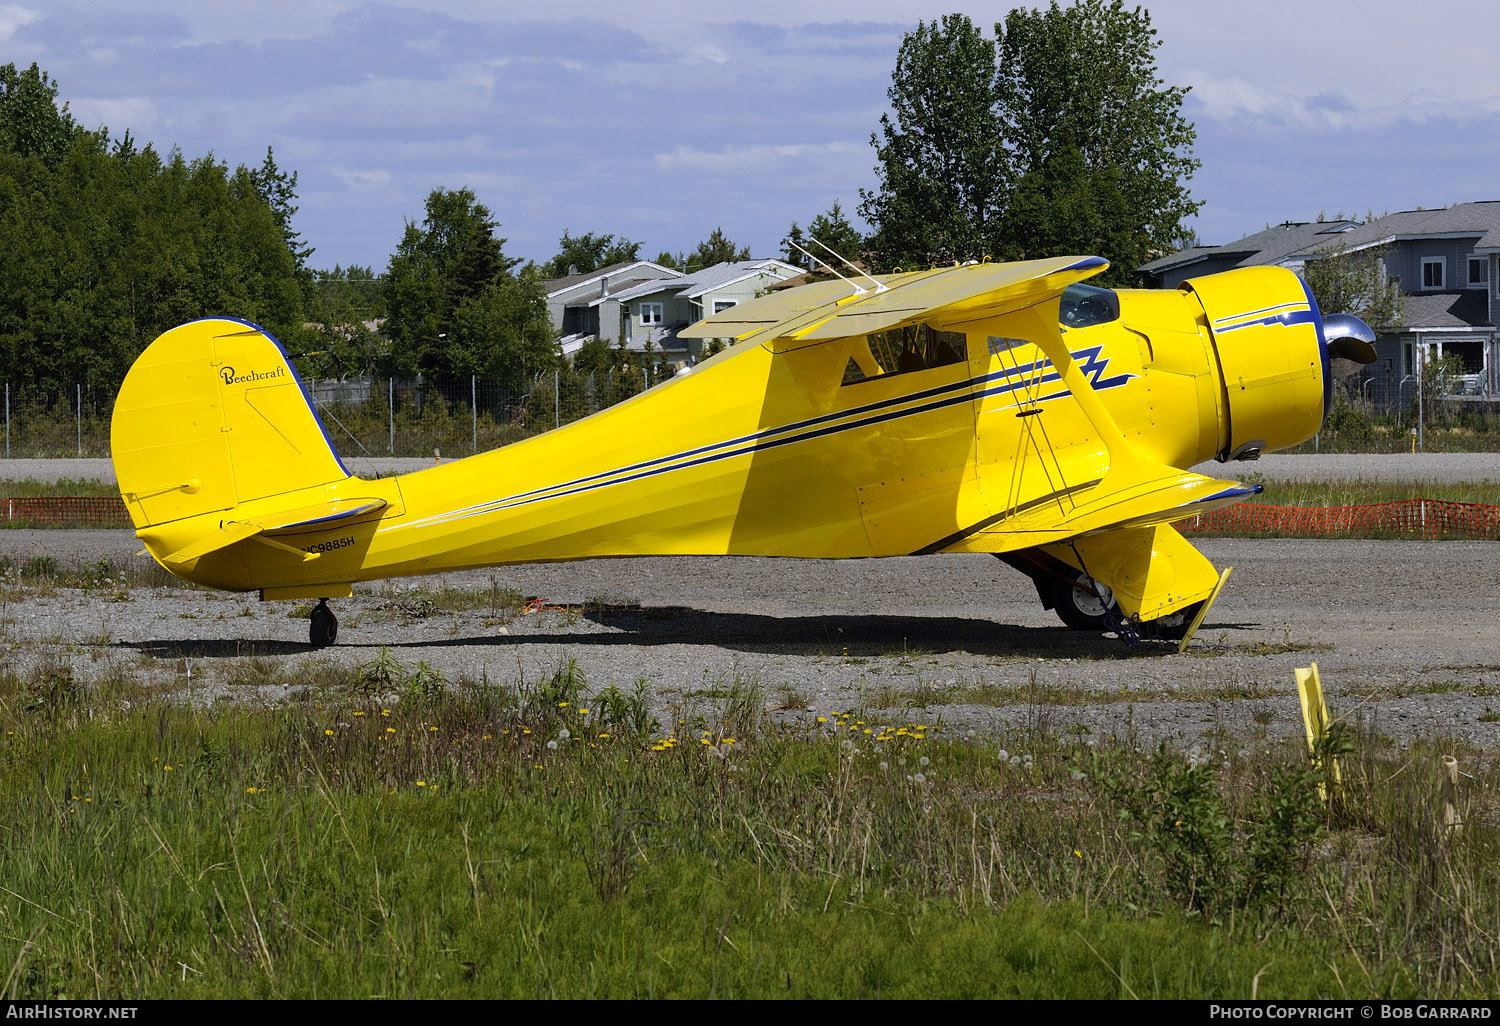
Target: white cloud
{"type": "Point", "coordinates": [707, 53]}
{"type": "Point", "coordinates": [359, 179]}
{"type": "Point", "coordinates": [1225, 97]}
{"type": "Point", "coordinates": [746, 160]}
{"type": "Point", "coordinates": [135, 113]}
{"type": "Point", "coordinates": [13, 17]}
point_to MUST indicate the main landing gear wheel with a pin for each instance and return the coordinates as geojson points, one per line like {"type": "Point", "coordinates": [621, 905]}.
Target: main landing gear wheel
{"type": "Point", "coordinates": [1082, 602]}
{"type": "Point", "coordinates": [323, 627]}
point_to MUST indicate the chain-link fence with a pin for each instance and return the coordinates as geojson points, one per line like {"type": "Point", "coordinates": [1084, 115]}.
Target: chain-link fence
{"type": "Point", "coordinates": [362, 416]}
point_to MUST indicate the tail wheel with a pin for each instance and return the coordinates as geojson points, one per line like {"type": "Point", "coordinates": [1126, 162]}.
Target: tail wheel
{"type": "Point", "coordinates": [1173, 626]}
{"type": "Point", "coordinates": [1082, 602]}
{"type": "Point", "coordinates": [323, 626]}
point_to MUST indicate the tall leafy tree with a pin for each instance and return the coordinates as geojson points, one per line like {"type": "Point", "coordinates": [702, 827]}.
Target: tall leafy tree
{"type": "Point", "coordinates": [31, 122]}
{"type": "Point", "coordinates": [454, 306]}
{"type": "Point", "coordinates": [716, 249]}
{"type": "Point", "coordinates": [589, 252]}
{"type": "Point", "coordinates": [942, 168]}
{"type": "Point", "coordinates": [1099, 150]}
{"type": "Point", "coordinates": [1056, 137]}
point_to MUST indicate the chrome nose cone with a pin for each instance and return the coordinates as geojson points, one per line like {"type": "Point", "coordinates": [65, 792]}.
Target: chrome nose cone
{"type": "Point", "coordinates": [1351, 344]}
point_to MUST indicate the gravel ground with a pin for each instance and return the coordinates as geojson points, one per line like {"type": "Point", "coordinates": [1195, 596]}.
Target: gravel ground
{"type": "Point", "coordinates": [1433, 466]}
{"type": "Point", "coordinates": [1405, 634]}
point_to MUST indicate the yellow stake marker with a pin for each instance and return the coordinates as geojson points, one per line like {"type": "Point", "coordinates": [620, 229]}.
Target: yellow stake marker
{"type": "Point", "coordinates": [1315, 717]}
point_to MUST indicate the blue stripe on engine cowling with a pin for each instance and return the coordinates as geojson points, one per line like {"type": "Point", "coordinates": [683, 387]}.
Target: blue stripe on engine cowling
{"type": "Point", "coordinates": [1322, 350]}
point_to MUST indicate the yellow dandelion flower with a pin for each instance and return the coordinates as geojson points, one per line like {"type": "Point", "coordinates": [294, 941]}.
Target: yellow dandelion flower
{"type": "Point", "coordinates": [432, 728]}
{"type": "Point", "coordinates": [385, 712]}
{"type": "Point", "coordinates": [562, 705]}
{"type": "Point", "coordinates": [527, 730]}
{"type": "Point", "coordinates": [75, 798]}
{"type": "Point", "coordinates": [729, 740]}
{"type": "Point", "coordinates": [88, 799]}
{"type": "Point", "coordinates": [421, 783]}
{"type": "Point", "coordinates": [604, 735]}
{"type": "Point", "coordinates": [166, 769]}
{"type": "Point", "coordinates": [822, 719]}
{"type": "Point", "coordinates": [328, 732]}
{"type": "Point", "coordinates": [1078, 853]}
{"type": "Point", "coordinates": [359, 714]}
{"type": "Point", "coordinates": [583, 712]}
{"type": "Point", "coordinates": [390, 730]}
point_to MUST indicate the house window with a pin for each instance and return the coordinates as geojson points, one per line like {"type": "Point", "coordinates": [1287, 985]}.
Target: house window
{"type": "Point", "coordinates": [651, 313]}
{"type": "Point", "coordinates": [1479, 271]}
{"type": "Point", "coordinates": [720, 305]}
{"type": "Point", "coordinates": [1432, 272]}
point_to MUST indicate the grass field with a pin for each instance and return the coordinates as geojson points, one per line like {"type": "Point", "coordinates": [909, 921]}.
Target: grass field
{"type": "Point", "coordinates": [395, 834]}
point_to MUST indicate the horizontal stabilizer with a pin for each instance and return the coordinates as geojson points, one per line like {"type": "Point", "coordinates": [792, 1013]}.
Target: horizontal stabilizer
{"type": "Point", "coordinates": [229, 534]}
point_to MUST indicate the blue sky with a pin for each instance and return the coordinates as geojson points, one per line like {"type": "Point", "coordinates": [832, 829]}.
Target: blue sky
{"type": "Point", "coordinates": [664, 120]}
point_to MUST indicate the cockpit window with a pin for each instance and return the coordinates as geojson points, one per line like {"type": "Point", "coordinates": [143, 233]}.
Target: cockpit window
{"type": "Point", "coordinates": [1083, 306]}
{"type": "Point", "coordinates": [901, 350]}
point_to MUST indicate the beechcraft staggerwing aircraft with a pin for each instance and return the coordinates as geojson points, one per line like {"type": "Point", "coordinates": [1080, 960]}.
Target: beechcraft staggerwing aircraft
{"type": "Point", "coordinates": [999, 408]}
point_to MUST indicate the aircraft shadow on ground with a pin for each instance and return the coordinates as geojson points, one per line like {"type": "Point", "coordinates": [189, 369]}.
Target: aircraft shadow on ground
{"type": "Point", "coordinates": [833, 636]}
{"type": "Point", "coordinates": [217, 648]}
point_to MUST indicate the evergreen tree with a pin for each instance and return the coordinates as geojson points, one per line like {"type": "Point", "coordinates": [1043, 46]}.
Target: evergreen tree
{"type": "Point", "coordinates": [716, 249]}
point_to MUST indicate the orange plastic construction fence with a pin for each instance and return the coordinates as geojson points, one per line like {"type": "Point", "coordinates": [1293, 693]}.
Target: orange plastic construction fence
{"type": "Point", "coordinates": [106, 511]}
{"type": "Point", "coordinates": [1413, 518]}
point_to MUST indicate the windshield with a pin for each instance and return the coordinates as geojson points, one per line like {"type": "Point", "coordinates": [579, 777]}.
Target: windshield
{"type": "Point", "coordinates": [1083, 306]}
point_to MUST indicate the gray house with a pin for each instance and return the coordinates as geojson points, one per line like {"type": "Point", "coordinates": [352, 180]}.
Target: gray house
{"type": "Point", "coordinates": [585, 306]}
{"type": "Point", "coordinates": [654, 311]}
{"type": "Point", "coordinates": [1448, 264]}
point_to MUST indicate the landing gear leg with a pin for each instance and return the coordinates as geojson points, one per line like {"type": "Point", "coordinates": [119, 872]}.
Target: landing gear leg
{"type": "Point", "coordinates": [323, 627]}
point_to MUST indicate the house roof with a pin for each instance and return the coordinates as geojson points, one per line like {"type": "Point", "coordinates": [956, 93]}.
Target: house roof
{"type": "Point", "coordinates": [1462, 220]}
{"type": "Point", "coordinates": [556, 286]}
{"type": "Point", "coordinates": [1465, 308]}
{"type": "Point", "coordinates": [594, 294]}
{"type": "Point", "coordinates": [1272, 246]}
{"type": "Point", "coordinates": [701, 282]}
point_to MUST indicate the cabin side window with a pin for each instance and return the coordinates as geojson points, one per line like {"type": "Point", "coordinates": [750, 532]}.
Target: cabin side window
{"type": "Point", "coordinates": [915, 347]}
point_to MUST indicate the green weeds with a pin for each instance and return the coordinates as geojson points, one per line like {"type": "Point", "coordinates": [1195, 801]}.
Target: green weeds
{"type": "Point", "coordinates": [395, 834]}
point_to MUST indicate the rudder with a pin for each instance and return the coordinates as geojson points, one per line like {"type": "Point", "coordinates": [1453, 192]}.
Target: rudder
{"type": "Point", "coordinates": [210, 415]}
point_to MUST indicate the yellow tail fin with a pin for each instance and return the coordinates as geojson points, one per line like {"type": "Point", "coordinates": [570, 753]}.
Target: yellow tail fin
{"type": "Point", "coordinates": [212, 414]}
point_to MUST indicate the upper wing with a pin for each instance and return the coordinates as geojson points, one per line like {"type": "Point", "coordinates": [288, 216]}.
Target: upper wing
{"type": "Point", "coordinates": [827, 310]}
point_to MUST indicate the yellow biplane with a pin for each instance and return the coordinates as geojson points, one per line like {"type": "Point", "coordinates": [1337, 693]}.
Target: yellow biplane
{"type": "Point", "coordinates": [1000, 408]}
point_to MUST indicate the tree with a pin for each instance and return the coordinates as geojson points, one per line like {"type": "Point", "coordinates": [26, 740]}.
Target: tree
{"type": "Point", "coordinates": [716, 249]}
{"type": "Point", "coordinates": [667, 259]}
{"type": "Point", "coordinates": [279, 189]}
{"type": "Point", "coordinates": [343, 303]}
{"type": "Point", "coordinates": [1355, 282]}
{"type": "Point", "coordinates": [941, 165]}
{"type": "Point", "coordinates": [452, 257]}
{"type": "Point", "coordinates": [502, 333]}
{"type": "Point", "coordinates": [1057, 137]}
{"type": "Point", "coordinates": [31, 122]}
{"type": "Point", "coordinates": [1100, 152]}
{"type": "Point", "coordinates": [833, 230]}
{"type": "Point", "coordinates": [588, 252]}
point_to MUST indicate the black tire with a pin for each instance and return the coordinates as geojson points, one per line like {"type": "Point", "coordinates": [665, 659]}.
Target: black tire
{"type": "Point", "coordinates": [323, 626]}
{"type": "Point", "coordinates": [1082, 603]}
{"type": "Point", "coordinates": [1174, 626]}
